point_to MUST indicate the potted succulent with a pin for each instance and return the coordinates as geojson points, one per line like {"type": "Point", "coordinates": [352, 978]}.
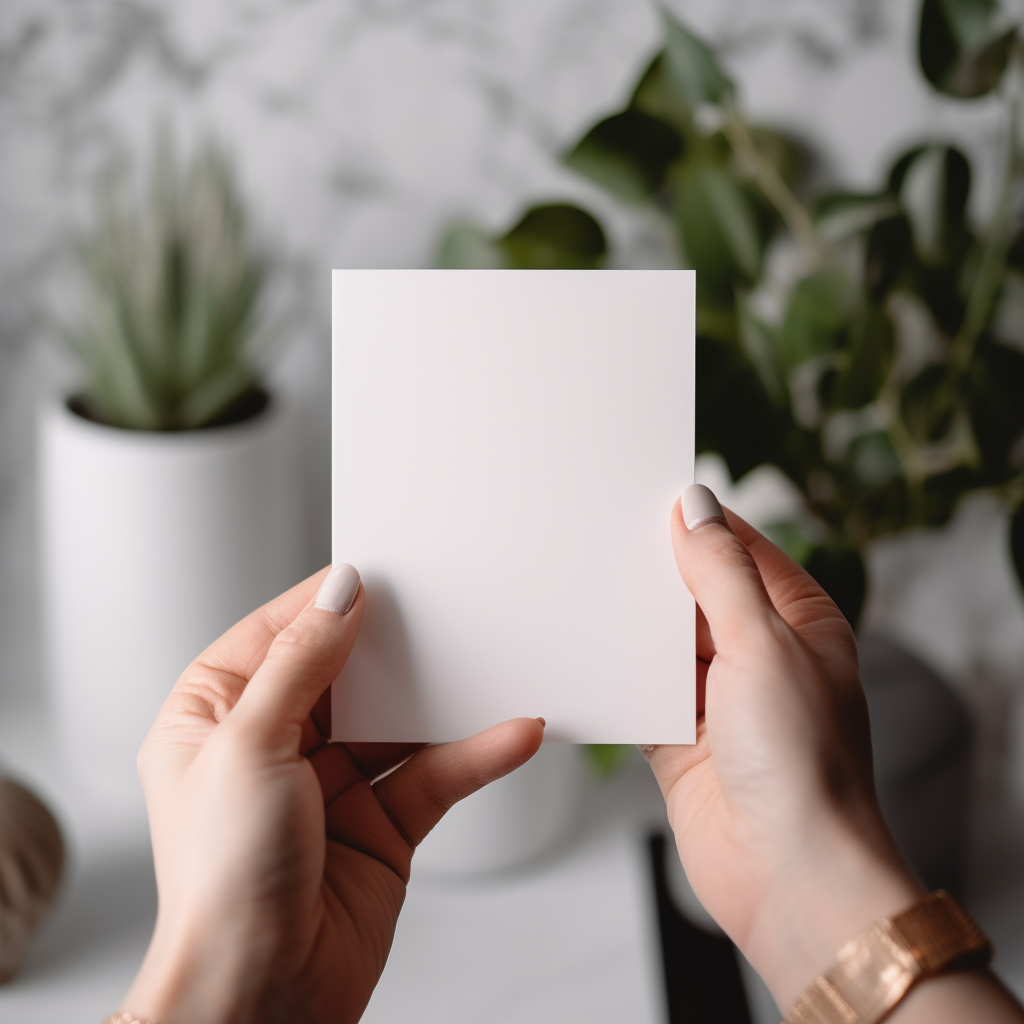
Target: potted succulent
{"type": "Point", "coordinates": [870, 345]}
{"type": "Point", "coordinates": [166, 505]}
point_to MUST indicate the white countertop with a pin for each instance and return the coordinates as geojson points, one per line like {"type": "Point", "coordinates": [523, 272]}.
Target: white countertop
{"type": "Point", "coordinates": [572, 938]}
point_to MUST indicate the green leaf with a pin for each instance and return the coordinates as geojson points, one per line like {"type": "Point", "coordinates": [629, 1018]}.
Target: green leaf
{"type": "Point", "coordinates": [864, 364]}
{"type": "Point", "coordinates": [942, 491]}
{"type": "Point", "coordinates": [760, 343]}
{"type": "Point", "coordinates": [1017, 544]}
{"type": "Point", "coordinates": [841, 215]}
{"type": "Point", "coordinates": [734, 415]}
{"type": "Point", "coordinates": [720, 232]}
{"type": "Point", "coordinates": [556, 236]}
{"type": "Point", "coordinates": [1008, 317]}
{"type": "Point", "coordinates": [934, 184]}
{"type": "Point", "coordinates": [963, 45]}
{"type": "Point", "coordinates": [656, 94]}
{"type": "Point", "coordinates": [693, 67]}
{"type": "Point", "coordinates": [819, 312]}
{"type": "Point", "coordinates": [873, 459]}
{"type": "Point", "coordinates": [466, 246]}
{"type": "Point", "coordinates": [605, 758]}
{"type": "Point", "coordinates": [886, 255]}
{"type": "Point", "coordinates": [839, 571]}
{"type": "Point", "coordinates": [787, 154]}
{"type": "Point", "coordinates": [925, 406]}
{"type": "Point", "coordinates": [629, 154]}
{"type": "Point", "coordinates": [995, 404]}
{"type": "Point", "coordinates": [792, 538]}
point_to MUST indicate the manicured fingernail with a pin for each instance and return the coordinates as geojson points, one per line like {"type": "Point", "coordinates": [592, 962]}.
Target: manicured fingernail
{"type": "Point", "coordinates": [646, 749]}
{"type": "Point", "coordinates": [338, 591]}
{"type": "Point", "coordinates": [543, 724]}
{"type": "Point", "coordinates": [701, 507]}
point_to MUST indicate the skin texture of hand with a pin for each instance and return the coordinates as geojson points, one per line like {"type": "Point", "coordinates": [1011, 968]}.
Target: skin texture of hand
{"type": "Point", "coordinates": [774, 809]}
{"type": "Point", "coordinates": [281, 863]}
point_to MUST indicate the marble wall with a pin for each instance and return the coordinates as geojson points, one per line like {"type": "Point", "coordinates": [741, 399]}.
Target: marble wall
{"type": "Point", "coordinates": [361, 127]}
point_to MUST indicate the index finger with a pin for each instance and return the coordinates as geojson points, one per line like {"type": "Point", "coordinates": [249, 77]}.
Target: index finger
{"type": "Point", "coordinates": [211, 685]}
{"type": "Point", "coordinates": [796, 594]}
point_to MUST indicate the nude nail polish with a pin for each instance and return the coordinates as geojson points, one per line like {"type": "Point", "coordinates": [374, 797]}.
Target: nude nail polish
{"type": "Point", "coordinates": [701, 507]}
{"type": "Point", "coordinates": [338, 592]}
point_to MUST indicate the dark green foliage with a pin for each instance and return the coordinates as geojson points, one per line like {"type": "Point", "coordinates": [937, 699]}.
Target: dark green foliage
{"type": "Point", "coordinates": [963, 46]}
{"type": "Point", "coordinates": [886, 377]}
{"type": "Point", "coordinates": [933, 185]}
{"type": "Point", "coordinates": [819, 312]}
{"type": "Point", "coordinates": [864, 361]}
{"type": "Point", "coordinates": [735, 416]}
{"type": "Point", "coordinates": [840, 572]}
{"type": "Point", "coordinates": [887, 255]}
{"type": "Point", "coordinates": [720, 232]}
{"type": "Point", "coordinates": [557, 236]}
{"type": "Point", "coordinates": [692, 67]}
{"type": "Point", "coordinates": [629, 154]}
{"type": "Point", "coordinates": [995, 404]}
{"type": "Point", "coordinates": [655, 94]}
{"type": "Point", "coordinates": [604, 758]}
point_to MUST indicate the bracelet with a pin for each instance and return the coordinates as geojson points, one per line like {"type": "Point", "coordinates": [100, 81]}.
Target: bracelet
{"type": "Point", "coordinates": [875, 970]}
{"type": "Point", "coordinates": [124, 1017]}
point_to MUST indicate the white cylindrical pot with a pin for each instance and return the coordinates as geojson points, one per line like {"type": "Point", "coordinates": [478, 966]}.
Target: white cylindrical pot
{"type": "Point", "coordinates": [512, 822]}
{"type": "Point", "coordinates": [153, 544]}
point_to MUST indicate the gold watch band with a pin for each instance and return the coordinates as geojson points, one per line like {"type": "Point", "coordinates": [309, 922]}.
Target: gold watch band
{"type": "Point", "coordinates": [874, 971]}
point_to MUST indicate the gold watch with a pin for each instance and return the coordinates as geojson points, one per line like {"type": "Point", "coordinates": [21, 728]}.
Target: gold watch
{"type": "Point", "coordinates": [875, 970]}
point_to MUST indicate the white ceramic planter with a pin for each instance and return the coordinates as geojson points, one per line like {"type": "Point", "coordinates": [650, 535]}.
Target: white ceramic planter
{"type": "Point", "coordinates": [153, 544]}
{"type": "Point", "coordinates": [512, 822]}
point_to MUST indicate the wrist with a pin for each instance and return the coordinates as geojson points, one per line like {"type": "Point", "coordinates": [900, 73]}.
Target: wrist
{"type": "Point", "coordinates": [177, 983]}
{"type": "Point", "coordinates": [825, 898]}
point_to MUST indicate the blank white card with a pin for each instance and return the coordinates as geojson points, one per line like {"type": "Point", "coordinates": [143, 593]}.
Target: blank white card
{"type": "Point", "coordinates": [507, 447]}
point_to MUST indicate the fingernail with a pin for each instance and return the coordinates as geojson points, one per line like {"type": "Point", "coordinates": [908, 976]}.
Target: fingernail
{"type": "Point", "coordinates": [646, 749]}
{"type": "Point", "coordinates": [543, 724]}
{"type": "Point", "coordinates": [338, 591]}
{"type": "Point", "coordinates": [700, 507]}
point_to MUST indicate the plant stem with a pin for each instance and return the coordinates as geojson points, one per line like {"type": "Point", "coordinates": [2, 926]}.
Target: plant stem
{"type": "Point", "coordinates": [993, 258]}
{"type": "Point", "coordinates": [765, 174]}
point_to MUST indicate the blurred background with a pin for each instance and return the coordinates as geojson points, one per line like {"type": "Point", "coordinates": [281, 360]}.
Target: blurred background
{"type": "Point", "coordinates": [413, 133]}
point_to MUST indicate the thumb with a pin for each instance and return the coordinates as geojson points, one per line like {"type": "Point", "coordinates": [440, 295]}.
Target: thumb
{"type": "Point", "coordinates": [718, 569]}
{"type": "Point", "coordinates": [303, 660]}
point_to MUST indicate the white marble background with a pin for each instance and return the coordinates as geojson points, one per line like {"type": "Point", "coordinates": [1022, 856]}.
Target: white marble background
{"type": "Point", "coordinates": [362, 126]}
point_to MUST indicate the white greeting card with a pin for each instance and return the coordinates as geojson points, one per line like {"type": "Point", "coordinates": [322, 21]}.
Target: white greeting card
{"type": "Point", "coordinates": [507, 447]}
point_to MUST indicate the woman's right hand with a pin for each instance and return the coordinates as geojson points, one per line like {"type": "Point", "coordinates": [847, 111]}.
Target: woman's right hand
{"type": "Point", "coordinates": [774, 809]}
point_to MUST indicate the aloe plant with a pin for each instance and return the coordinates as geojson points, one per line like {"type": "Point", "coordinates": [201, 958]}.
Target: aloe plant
{"type": "Point", "coordinates": [173, 286]}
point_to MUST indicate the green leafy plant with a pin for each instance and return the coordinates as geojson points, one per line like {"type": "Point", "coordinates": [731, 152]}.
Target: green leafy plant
{"type": "Point", "coordinates": [173, 287]}
{"type": "Point", "coordinates": [884, 375]}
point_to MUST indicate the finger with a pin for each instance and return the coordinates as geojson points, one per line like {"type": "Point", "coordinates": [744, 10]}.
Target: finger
{"type": "Point", "coordinates": [374, 759]}
{"type": "Point", "coordinates": [241, 650]}
{"type": "Point", "coordinates": [795, 593]}
{"type": "Point", "coordinates": [211, 685]}
{"type": "Point", "coordinates": [303, 660]}
{"type": "Point", "coordinates": [337, 765]}
{"type": "Point", "coordinates": [702, 685]}
{"type": "Point", "coordinates": [705, 643]}
{"type": "Point", "coordinates": [417, 795]}
{"type": "Point", "coordinates": [719, 570]}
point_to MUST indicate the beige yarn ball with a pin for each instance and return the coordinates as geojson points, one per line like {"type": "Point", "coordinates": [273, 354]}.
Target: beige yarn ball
{"type": "Point", "coordinates": [31, 860]}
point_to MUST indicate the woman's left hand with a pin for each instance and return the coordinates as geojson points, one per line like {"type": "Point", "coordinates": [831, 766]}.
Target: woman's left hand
{"type": "Point", "coordinates": [281, 864]}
